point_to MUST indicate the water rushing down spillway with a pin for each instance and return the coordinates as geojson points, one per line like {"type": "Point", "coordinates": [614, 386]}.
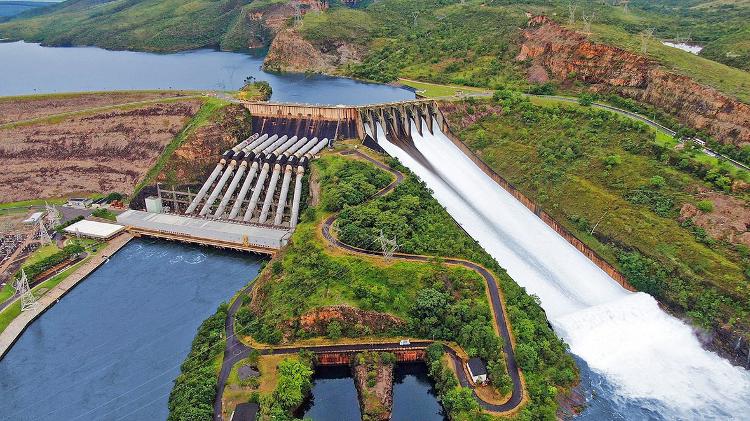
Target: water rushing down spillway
{"type": "Point", "coordinates": [652, 362]}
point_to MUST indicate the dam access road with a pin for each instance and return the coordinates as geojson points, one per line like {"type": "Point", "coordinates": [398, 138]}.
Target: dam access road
{"type": "Point", "coordinates": [236, 350]}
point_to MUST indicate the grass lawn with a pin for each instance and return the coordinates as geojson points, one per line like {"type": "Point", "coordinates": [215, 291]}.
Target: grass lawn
{"type": "Point", "coordinates": [34, 202]}
{"type": "Point", "coordinates": [41, 253]}
{"type": "Point", "coordinates": [432, 90]}
{"type": "Point", "coordinates": [267, 365]}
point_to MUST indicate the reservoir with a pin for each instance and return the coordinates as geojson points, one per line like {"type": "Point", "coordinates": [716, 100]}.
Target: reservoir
{"type": "Point", "coordinates": [112, 347]}
{"type": "Point", "coordinates": [28, 68]}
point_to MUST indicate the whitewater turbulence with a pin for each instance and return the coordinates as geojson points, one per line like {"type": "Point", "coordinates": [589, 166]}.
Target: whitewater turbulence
{"type": "Point", "coordinates": [649, 357]}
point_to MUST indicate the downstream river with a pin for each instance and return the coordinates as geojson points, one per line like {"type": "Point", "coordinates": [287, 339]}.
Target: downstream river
{"type": "Point", "coordinates": [27, 68]}
{"type": "Point", "coordinates": [111, 348]}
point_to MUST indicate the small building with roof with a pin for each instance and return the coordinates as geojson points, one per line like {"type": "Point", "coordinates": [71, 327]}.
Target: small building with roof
{"type": "Point", "coordinates": [245, 412]}
{"type": "Point", "coordinates": [477, 370]}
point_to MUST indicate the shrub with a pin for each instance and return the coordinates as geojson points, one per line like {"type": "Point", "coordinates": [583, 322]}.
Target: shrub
{"type": "Point", "coordinates": [657, 181]}
{"type": "Point", "coordinates": [705, 206]}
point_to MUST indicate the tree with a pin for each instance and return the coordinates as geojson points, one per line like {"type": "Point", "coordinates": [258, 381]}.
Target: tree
{"type": "Point", "coordinates": [334, 330]}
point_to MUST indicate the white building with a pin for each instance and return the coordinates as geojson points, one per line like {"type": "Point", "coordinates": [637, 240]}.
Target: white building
{"type": "Point", "coordinates": [477, 370]}
{"type": "Point", "coordinates": [94, 229]}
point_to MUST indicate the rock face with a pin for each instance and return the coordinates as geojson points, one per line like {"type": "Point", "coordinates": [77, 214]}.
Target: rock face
{"type": "Point", "coordinates": [566, 54]}
{"type": "Point", "coordinates": [374, 380]}
{"type": "Point", "coordinates": [352, 320]}
{"type": "Point", "coordinates": [198, 154]}
{"type": "Point", "coordinates": [728, 221]}
{"type": "Point", "coordinates": [290, 52]}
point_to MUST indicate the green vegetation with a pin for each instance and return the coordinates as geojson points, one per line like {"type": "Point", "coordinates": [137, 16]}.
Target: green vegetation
{"type": "Point", "coordinates": [255, 90]}
{"type": "Point", "coordinates": [29, 203]}
{"type": "Point", "coordinates": [432, 299]}
{"type": "Point", "coordinates": [49, 258]}
{"type": "Point", "coordinates": [207, 111]}
{"type": "Point", "coordinates": [294, 382]}
{"type": "Point", "coordinates": [434, 90]}
{"type": "Point", "coordinates": [607, 180]}
{"type": "Point", "coordinates": [194, 389]}
{"type": "Point", "coordinates": [104, 213]}
{"type": "Point", "coordinates": [458, 401]}
{"type": "Point", "coordinates": [149, 25]}
{"type": "Point", "coordinates": [14, 310]}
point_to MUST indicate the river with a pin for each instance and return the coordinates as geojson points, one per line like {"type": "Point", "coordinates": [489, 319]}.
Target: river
{"type": "Point", "coordinates": [639, 362]}
{"type": "Point", "coordinates": [28, 68]}
{"type": "Point", "coordinates": [112, 347]}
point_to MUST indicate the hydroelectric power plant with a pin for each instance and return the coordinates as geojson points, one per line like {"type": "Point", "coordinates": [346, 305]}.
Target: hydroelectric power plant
{"type": "Point", "coordinates": [642, 361]}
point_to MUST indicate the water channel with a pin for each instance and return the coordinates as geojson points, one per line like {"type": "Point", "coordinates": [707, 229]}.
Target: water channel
{"type": "Point", "coordinates": [334, 395]}
{"type": "Point", "coordinates": [110, 349]}
{"type": "Point", "coordinates": [28, 68]}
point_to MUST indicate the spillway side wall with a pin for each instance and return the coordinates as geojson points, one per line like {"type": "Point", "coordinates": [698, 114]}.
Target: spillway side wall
{"type": "Point", "coordinates": [538, 211]}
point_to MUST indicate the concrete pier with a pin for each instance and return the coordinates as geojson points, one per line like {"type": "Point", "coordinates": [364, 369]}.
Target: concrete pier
{"type": "Point", "coordinates": [10, 335]}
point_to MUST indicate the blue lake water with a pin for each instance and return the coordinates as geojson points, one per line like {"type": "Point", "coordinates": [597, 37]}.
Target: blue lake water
{"type": "Point", "coordinates": [28, 68]}
{"type": "Point", "coordinates": [111, 348]}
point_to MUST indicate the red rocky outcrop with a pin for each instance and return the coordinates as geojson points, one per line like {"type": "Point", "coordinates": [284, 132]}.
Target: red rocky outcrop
{"type": "Point", "coordinates": [564, 53]}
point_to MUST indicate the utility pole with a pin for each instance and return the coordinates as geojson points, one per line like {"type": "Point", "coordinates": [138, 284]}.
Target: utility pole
{"type": "Point", "coordinates": [297, 13]}
{"type": "Point", "coordinates": [387, 245]}
{"type": "Point", "coordinates": [28, 301]}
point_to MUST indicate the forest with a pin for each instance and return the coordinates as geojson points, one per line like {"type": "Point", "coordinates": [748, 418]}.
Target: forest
{"type": "Point", "coordinates": [427, 300]}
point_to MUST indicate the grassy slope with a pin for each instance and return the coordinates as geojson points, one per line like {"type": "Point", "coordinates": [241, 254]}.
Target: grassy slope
{"type": "Point", "coordinates": [556, 156]}
{"type": "Point", "coordinates": [150, 25]}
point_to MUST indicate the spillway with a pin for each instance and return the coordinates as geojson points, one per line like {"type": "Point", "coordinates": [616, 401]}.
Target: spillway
{"type": "Point", "coordinates": [652, 363]}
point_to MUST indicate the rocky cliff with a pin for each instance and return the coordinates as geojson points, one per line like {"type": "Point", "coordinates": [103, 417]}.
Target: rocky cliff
{"type": "Point", "coordinates": [290, 52]}
{"type": "Point", "coordinates": [559, 53]}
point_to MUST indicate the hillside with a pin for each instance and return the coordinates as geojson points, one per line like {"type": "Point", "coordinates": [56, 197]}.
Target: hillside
{"type": "Point", "coordinates": [153, 25]}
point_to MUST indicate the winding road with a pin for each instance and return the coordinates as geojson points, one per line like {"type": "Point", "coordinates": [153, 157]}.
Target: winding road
{"type": "Point", "coordinates": [236, 350]}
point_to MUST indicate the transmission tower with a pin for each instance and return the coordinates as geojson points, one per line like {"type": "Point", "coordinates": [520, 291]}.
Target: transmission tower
{"type": "Point", "coordinates": [28, 301]}
{"type": "Point", "coordinates": [415, 15]}
{"type": "Point", "coordinates": [625, 5]}
{"type": "Point", "coordinates": [387, 245]}
{"type": "Point", "coordinates": [587, 22]}
{"type": "Point", "coordinates": [297, 13]}
{"type": "Point", "coordinates": [53, 217]}
{"type": "Point", "coordinates": [44, 237]}
{"type": "Point", "coordinates": [572, 13]}
{"type": "Point", "coordinates": [646, 36]}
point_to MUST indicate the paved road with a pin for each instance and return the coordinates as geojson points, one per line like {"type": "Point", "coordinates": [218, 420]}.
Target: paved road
{"type": "Point", "coordinates": [236, 351]}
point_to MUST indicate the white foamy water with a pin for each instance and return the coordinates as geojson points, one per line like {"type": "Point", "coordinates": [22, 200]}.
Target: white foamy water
{"type": "Point", "coordinates": [690, 48]}
{"type": "Point", "coordinates": [649, 357]}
